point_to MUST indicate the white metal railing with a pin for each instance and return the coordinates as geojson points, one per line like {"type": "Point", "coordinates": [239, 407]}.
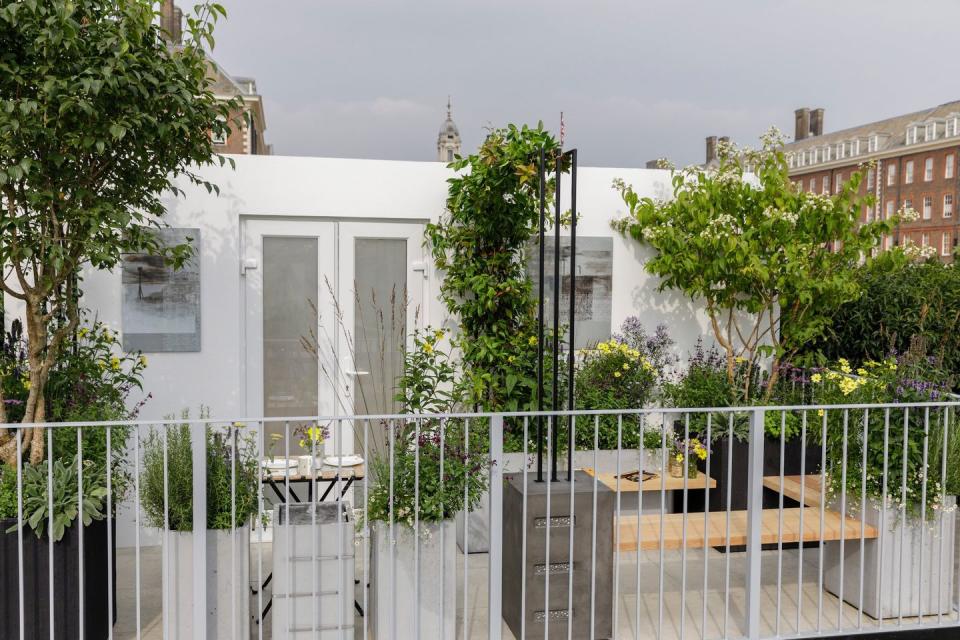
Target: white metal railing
{"type": "Point", "coordinates": [700, 567]}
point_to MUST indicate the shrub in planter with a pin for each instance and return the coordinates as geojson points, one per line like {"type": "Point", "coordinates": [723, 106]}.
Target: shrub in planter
{"type": "Point", "coordinates": [92, 380]}
{"type": "Point", "coordinates": [424, 473]}
{"type": "Point", "coordinates": [895, 472]}
{"type": "Point", "coordinates": [232, 490]}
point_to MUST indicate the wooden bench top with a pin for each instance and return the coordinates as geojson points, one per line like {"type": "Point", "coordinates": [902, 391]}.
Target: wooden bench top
{"type": "Point", "coordinates": [834, 528]}
{"type": "Point", "coordinates": [812, 493]}
{"type": "Point", "coordinates": [655, 483]}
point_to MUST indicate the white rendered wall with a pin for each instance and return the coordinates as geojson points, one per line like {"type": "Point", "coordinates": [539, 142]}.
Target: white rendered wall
{"type": "Point", "coordinates": [343, 189]}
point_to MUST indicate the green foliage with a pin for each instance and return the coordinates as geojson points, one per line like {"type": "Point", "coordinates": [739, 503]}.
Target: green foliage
{"type": "Point", "coordinates": [405, 496]}
{"type": "Point", "coordinates": [66, 486]}
{"type": "Point", "coordinates": [901, 298]}
{"type": "Point", "coordinates": [900, 442]}
{"type": "Point", "coordinates": [230, 454]}
{"type": "Point", "coordinates": [480, 246]}
{"type": "Point", "coordinates": [614, 376]}
{"type": "Point", "coordinates": [99, 115]}
{"type": "Point", "coordinates": [769, 262]}
{"type": "Point", "coordinates": [705, 383]}
{"type": "Point", "coordinates": [429, 383]}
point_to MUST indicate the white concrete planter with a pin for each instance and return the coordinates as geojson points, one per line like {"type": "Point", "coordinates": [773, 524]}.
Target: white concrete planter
{"type": "Point", "coordinates": [396, 608]}
{"type": "Point", "coordinates": [479, 520]}
{"type": "Point", "coordinates": [313, 568]}
{"type": "Point", "coordinates": [227, 581]}
{"type": "Point", "coordinates": [895, 576]}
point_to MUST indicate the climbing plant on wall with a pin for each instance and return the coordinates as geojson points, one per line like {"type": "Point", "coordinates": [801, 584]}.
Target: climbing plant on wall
{"type": "Point", "coordinates": [480, 246]}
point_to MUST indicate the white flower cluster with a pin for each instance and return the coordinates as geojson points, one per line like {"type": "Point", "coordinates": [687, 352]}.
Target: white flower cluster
{"type": "Point", "coordinates": [788, 216]}
{"type": "Point", "coordinates": [918, 253]}
{"type": "Point", "coordinates": [908, 214]}
{"type": "Point", "coordinates": [724, 224]}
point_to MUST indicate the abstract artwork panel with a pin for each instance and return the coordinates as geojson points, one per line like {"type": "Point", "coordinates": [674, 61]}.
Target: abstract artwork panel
{"type": "Point", "coordinates": [594, 305]}
{"type": "Point", "coordinates": [161, 306]}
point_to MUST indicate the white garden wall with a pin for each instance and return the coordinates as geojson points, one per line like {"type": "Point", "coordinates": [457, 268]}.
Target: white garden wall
{"type": "Point", "coordinates": [340, 189]}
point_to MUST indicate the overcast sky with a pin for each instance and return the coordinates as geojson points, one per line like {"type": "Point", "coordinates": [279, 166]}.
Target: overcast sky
{"type": "Point", "coordinates": [636, 79]}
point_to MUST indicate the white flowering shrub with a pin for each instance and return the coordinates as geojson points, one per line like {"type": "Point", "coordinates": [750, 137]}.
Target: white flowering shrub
{"type": "Point", "coordinates": [769, 261]}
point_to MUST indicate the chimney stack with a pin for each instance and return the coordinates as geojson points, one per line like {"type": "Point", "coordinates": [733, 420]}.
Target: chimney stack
{"type": "Point", "coordinates": [816, 122]}
{"type": "Point", "coordinates": [802, 129]}
{"type": "Point", "coordinates": [171, 22]}
{"type": "Point", "coordinates": [653, 164]}
{"type": "Point", "coordinates": [711, 149]}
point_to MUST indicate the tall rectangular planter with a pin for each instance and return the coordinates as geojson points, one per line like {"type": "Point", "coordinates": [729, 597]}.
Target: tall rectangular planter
{"type": "Point", "coordinates": [66, 583]}
{"type": "Point", "coordinates": [910, 578]}
{"type": "Point", "coordinates": [313, 567]}
{"type": "Point", "coordinates": [399, 602]}
{"type": "Point", "coordinates": [227, 583]}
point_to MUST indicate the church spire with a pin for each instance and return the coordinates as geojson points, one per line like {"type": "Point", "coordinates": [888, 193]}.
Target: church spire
{"type": "Point", "coordinates": [448, 141]}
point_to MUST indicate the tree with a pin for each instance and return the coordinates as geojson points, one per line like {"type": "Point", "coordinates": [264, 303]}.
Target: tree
{"type": "Point", "coordinates": [480, 245]}
{"type": "Point", "coordinates": [99, 114]}
{"type": "Point", "coordinates": [769, 261]}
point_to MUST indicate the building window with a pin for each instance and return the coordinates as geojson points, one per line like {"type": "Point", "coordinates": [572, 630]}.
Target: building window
{"type": "Point", "coordinates": [930, 131]}
{"type": "Point", "coordinates": [908, 172]}
{"type": "Point", "coordinates": [837, 182]}
{"type": "Point", "coordinates": [891, 174]}
{"type": "Point", "coordinates": [867, 213]}
{"type": "Point", "coordinates": [873, 144]}
{"type": "Point", "coordinates": [945, 241]}
{"type": "Point", "coordinates": [887, 242]}
{"type": "Point", "coordinates": [220, 138]}
{"type": "Point", "coordinates": [813, 156]}
{"type": "Point", "coordinates": [948, 205]}
{"type": "Point", "coordinates": [912, 132]}
{"type": "Point", "coordinates": [948, 165]}
{"type": "Point", "coordinates": [813, 185]}
{"type": "Point", "coordinates": [924, 239]}
{"type": "Point", "coordinates": [928, 170]}
{"type": "Point", "coordinates": [927, 207]}
{"type": "Point", "coordinates": [890, 209]}
{"type": "Point", "coordinates": [870, 178]}
{"type": "Point", "coordinates": [825, 185]}
{"type": "Point", "coordinates": [907, 204]}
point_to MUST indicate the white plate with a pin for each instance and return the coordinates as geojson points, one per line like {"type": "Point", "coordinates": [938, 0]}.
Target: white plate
{"type": "Point", "coordinates": [344, 461]}
{"type": "Point", "coordinates": [279, 464]}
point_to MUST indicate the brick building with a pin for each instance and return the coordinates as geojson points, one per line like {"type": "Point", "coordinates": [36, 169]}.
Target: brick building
{"type": "Point", "coordinates": [915, 160]}
{"type": "Point", "coordinates": [247, 133]}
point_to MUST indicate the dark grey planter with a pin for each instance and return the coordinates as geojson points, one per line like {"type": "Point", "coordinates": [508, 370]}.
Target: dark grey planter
{"type": "Point", "coordinates": [66, 584]}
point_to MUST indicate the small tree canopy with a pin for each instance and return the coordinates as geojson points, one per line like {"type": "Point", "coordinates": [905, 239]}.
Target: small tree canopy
{"type": "Point", "coordinates": [769, 261]}
{"type": "Point", "coordinates": [99, 114]}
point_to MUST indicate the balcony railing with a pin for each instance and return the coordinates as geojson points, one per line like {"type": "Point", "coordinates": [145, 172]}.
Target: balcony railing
{"type": "Point", "coordinates": [757, 522]}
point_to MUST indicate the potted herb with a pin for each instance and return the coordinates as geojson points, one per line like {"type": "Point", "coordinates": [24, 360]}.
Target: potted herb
{"type": "Point", "coordinates": [231, 456]}
{"type": "Point", "coordinates": [424, 472]}
{"type": "Point", "coordinates": [904, 494]}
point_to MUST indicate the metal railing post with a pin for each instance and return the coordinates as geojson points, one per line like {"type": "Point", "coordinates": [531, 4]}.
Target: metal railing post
{"type": "Point", "coordinates": [754, 521]}
{"type": "Point", "coordinates": [198, 437]}
{"type": "Point", "coordinates": [495, 585]}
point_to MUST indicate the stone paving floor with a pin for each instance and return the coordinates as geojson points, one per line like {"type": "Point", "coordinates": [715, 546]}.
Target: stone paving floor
{"type": "Point", "coordinates": [637, 612]}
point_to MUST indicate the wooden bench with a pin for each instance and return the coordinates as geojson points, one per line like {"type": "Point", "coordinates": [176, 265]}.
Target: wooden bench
{"type": "Point", "coordinates": [812, 494]}
{"type": "Point", "coordinates": [835, 527]}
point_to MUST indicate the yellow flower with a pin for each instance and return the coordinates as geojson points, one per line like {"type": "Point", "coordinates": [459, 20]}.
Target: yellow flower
{"type": "Point", "coordinates": [862, 372]}
{"type": "Point", "coordinates": [820, 412]}
{"type": "Point", "coordinates": [816, 378]}
{"type": "Point", "coordinates": [740, 359]}
{"type": "Point", "coordinates": [438, 334]}
{"type": "Point", "coordinates": [833, 375]}
{"type": "Point", "coordinates": [511, 359]}
{"type": "Point", "coordinates": [26, 385]}
{"type": "Point", "coordinates": [107, 335]}
{"type": "Point", "coordinates": [143, 360]}
{"type": "Point", "coordinates": [427, 346]}
{"type": "Point", "coordinates": [82, 332]}
{"type": "Point", "coordinates": [892, 365]}
{"type": "Point", "coordinates": [626, 367]}
{"type": "Point", "coordinates": [679, 457]}
{"type": "Point", "coordinates": [844, 365]}
{"type": "Point", "coordinates": [102, 364]}
{"type": "Point", "coordinates": [532, 341]}
{"type": "Point", "coordinates": [115, 363]}
{"type": "Point", "coordinates": [616, 374]}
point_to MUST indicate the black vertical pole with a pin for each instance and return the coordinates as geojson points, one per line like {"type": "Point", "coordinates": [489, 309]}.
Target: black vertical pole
{"type": "Point", "coordinates": [556, 315]}
{"type": "Point", "coordinates": [573, 298]}
{"type": "Point", "coordinates": [543, 222]}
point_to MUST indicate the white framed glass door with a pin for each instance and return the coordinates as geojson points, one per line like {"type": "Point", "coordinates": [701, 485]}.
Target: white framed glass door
{"type": "Point", "coordinates": [329, 308]}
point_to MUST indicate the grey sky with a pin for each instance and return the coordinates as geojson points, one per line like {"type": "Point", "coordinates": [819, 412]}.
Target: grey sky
{"type": "Point", "coordinates": [635, 79]}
